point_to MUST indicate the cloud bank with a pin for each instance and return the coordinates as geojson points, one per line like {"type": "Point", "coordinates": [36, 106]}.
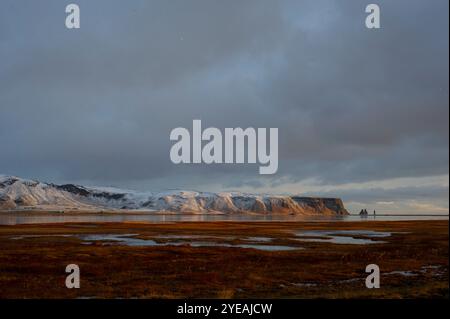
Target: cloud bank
{"type": "Point", "coordinates": [353, 106]}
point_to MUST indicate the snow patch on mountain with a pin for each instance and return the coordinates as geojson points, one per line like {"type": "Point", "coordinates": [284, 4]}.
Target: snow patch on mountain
{"type": "Point", "coordinates": [17, 193]}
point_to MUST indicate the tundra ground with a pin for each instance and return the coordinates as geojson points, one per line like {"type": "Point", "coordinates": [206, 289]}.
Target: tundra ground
{"type": "Point", "coordinates": [413, 260]}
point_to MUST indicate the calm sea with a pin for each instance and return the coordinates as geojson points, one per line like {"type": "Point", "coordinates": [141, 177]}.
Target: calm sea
{"type": "Point", "coordinates": [15, 218]}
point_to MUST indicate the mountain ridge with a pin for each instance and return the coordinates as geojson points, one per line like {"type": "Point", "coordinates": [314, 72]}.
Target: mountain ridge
{"type": "Point", "coordinates": [22, 194]}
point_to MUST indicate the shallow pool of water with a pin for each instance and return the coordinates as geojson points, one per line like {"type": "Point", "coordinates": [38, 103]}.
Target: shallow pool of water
{"type": "Point", "coordinates": [342, 236]}
{"type": "Point", "coordinates": [15, 218]}
{"type": "Point", "coordinates": [128, 240]}
{"type": "Point", "coordinates": [131, 240]}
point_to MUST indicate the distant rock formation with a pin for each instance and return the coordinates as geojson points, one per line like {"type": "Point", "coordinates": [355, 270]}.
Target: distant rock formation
{"type": "Point", "coordinates": [363, 212]}
{"type": "Point", "coordinates": [17, 193]}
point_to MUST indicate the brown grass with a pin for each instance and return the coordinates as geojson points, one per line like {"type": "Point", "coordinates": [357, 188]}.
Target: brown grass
{"type": "Point", "coordinates": [34, 267]}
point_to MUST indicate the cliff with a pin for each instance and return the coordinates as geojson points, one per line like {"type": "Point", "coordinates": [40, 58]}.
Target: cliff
{"type": "Point", "coordinates": [17, 193]}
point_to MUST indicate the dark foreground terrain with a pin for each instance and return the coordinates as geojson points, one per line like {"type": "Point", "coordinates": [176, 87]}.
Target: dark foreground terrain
{"type": "Point", "coordinates": [225, 260]}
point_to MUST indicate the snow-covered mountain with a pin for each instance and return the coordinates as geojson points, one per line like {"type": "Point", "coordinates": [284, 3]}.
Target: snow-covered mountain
{"type": "Point", "coordinates": [17, 193]}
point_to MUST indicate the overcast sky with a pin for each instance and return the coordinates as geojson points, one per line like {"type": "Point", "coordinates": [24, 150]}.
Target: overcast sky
{"type": "Point", "coordinates": [362, 114]}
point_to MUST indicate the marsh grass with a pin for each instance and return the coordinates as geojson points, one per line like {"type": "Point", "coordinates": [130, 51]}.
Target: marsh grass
{"type": "Point", "coordinates": [34, 267]}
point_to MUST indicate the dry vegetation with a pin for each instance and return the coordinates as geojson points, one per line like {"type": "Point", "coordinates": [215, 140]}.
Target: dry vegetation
{"type": "Point", "coordinates": [34, 267]}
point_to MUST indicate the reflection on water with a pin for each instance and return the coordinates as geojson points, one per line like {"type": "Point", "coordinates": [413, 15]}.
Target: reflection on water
{"type": "Point", "coordinates": [402, 273]}
{"type": "Point", "coordinates": [14, 218]}
{"type": "Point", "coordinates": [342, 236]}
{"type": "Point", "coordinates": [131, 240]}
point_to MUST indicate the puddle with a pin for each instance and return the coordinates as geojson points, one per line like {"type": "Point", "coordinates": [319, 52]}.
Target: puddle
{"type": "Point", "coordinates": [251, 239]}
{"type": "Point", "coordinates": [254, 246]}
{"type": "Point", "coordinates": [269, 247]}
{"type": "Point", "coordinates": [342, 236]}
{"type": "Point", "coordinates": [402, 273]}
{"type": "Point", "coordinates": [341, 240]}
{"type": "Point", "coordinates": [125, 239]}
{"type": "Point", "coordinates": [434, 270]}
{"type": "Point", "coordinates": [37, 236]}
{"type": "Point", "coordinates": [366, 233]}
{"type": "Point", "coordinates": [128, 240]}
{"type": "Point", "coordinates": [177, 237]}
{"type": "Point", "coordinates": [259, 239]}
{"type": "Point", "coordinates": [351, 280]}
{"type": "Point", "coordinates": [255, 242]}
{"type": "Point", "coordinates": [174, 240]}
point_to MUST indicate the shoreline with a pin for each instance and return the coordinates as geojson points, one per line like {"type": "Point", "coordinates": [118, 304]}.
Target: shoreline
{"type": "Point", "coordinates": [159, 213]}
{"type": "Point", "coordinates": [46, 217]}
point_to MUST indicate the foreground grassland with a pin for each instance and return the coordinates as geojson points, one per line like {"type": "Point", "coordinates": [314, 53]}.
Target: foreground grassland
{"type": "Point", "coordinates": [413, 261]}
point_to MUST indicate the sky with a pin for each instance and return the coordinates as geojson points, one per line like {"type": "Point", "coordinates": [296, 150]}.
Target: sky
{"type": "Point", "coordinates": [362, 113]}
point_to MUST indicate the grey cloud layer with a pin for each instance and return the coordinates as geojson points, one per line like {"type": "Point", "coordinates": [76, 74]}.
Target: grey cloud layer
{"type": "Point", "coordinates": [97, 104]}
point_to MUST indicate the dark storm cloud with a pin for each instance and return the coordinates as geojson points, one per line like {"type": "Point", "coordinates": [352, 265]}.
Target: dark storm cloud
{"type": "Point", "coordinates": [419, 193]}
{"type": "Point", "coordinates": [97, 104]}
{"type": "Point", "coordinates": [100, 102]}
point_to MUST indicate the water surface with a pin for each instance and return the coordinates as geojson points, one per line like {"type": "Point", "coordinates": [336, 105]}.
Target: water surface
{"type": "Point", "coordinates": [16, 218]}
{"type": "Point", "coordinates": [342, 236]}
{"type": "Point", "coordinates": [131, 240]}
